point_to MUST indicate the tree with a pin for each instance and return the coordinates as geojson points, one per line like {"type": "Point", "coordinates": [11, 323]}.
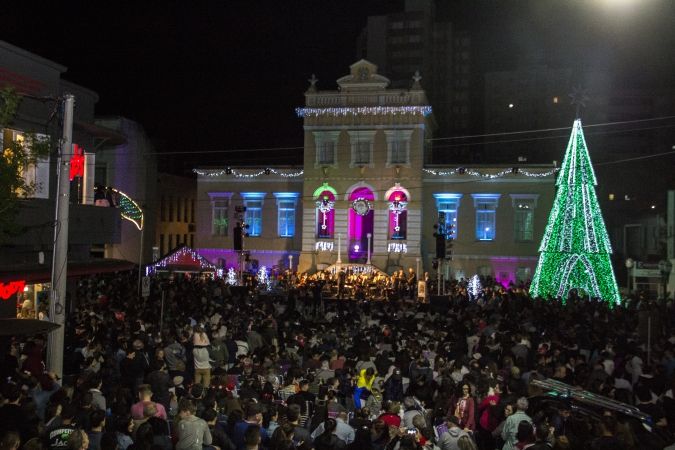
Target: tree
{"type": "Point", "coordinates": [15, 158]}
{"type": "Point", "coordinates": [575, 249]}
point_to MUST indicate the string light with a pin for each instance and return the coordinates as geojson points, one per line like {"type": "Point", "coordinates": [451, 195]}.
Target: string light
{"type": "Point", "coordinates": [488, 175]}
{"type": "Point", "coordinates": [231, 278]}
{"type": "Point", "coordinates": [184, 255]}
{"type": "Point", "coordinates": [397, 247]}
{"type": "Point", "coordinates": [575, 249]}
{"type": "Point", "coordinates": [264, 278]}
{"type": "Point", "coordinates": [364, 111]}
{"type": "Point", "coordinates": [247, 173]}
{"type": "Point", "coordinates": [475, 287]}
{"type": "Point", "coordinates": [129, 209]}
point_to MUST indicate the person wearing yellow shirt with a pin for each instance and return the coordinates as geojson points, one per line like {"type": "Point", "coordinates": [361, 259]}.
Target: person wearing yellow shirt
{"type": "Point", "coordinates": [363, 384]}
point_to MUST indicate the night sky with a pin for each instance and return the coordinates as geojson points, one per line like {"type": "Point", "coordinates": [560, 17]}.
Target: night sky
{"type": "Point", "coordinates": [210, 76]}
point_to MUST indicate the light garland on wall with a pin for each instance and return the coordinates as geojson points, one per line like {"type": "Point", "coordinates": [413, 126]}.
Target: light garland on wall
{"type": "Point", "coordinates": [364, 111]}
{"type": "Point", "coordinates": [488, 175]}
{"type": "Point", "coordinates": [241, 174]}
{"type": "Point", "coordinates": [362, 206]}
{"type": "Point", "coordinates": [575, 249]}
{"type": "Point", "coordinates": [325, 206]}
{"type": "Point", "coordinates": [397, 247]}
{"type": "Point", "coordinates": [397, 208]}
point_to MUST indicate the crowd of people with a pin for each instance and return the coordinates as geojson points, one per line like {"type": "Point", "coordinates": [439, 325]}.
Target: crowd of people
{"type": "Point", "coordinates": [226, 368]}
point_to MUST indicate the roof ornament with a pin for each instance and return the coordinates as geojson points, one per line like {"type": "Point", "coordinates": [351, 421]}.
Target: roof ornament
{"type": "Point", "coordinates": [416, 80]}
{"type": "Point", "coordinates": [312, 83]}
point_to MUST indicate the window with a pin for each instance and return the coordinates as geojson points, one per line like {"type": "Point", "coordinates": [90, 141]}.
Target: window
{"type": "Point", "coordinates": [220, 206]}
{"type": "Point", "coordinates": [162, 212]}
{"type": "Point", "coordinates": [326, 147]}
{"type": "Point", "coordinates": [192, 209]}
{"type": "Point", "coordinates": [192, 241]}
{"type": "Point", "coordinates": [485, 205]}
{"type": "Point", "coordinates": [448, 204]}
{"type": "Point", "coordinates": [523, 226]}
{"type": "Point", "coordinates": [286, 212]}
{"type": "Point", "coordinates": [170, 209]}
{"type": "Point", "coordinates": [324, 198]}
{"type": "Point", "coordinates": [177, 240]}
{"type": "Point", "coordinates": [398, 215]}
{"type": "Point", "coordinates": [185, 210]}
{"type": "Point", "coordinates": [170, 243]}
{"type": "Point", "coordinates": [185, 241]}
{"type": "Point", "coordinates": [398, 147]}
{"type": "Point", "coordinates": [161, 244]}
{"type": "Point", "coordinates": [35, 175]}
{"type": "Point", "coordinates": [253, 201]}
{"type": "Point", "coordinates": [523, 274]}
{"type": "Point", "coordinates": [178, 209]}
{"type": "Point", "coordinates": [362, 148]}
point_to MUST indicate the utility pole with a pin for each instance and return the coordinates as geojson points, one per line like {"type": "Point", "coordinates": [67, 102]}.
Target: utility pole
{"type": "Point", "coordinates": [57, 293]}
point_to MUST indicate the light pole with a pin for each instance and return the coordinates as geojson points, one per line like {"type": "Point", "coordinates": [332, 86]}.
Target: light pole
{"type": "Point", "coordinates": [417, 267]}
{"type": "Point", "coordinates": [290, 263]}
{"type": "Point", "coordinates": [369, 236]}
{"type": "Point", "coordinates": [665, 267]}
{"type": "Point", "coordinates": [339, 257]}
{"type": "Point", "coordinates": [629, 266]}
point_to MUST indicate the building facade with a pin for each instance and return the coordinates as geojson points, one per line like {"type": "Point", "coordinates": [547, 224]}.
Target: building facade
{"type": "Point", "coordinates": [176, 224]}
{"type": "Point", "coordinates": [365, 195]}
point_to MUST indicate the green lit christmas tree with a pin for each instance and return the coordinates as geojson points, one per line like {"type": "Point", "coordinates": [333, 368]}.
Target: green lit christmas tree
{"type": "Point", "coordinates": [575, 249]}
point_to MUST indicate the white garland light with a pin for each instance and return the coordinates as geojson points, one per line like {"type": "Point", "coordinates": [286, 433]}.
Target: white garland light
{"type": "Point", "coordinates": [474, 286]}
{"type": "Point", "coordinates": [397, 247]}
{"type": "Point", "coordinates": [241, 174]}
{"type": "Point", "coordinates": [264, 278]}
{"type": "Point", "coordinates": [231, 277]}
{"type": "Point", "coordinates": [500, 174]}
{"type": "Point", "coordinates": [363, 111]}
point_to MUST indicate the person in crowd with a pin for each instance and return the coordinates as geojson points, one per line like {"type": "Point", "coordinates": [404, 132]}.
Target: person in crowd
{"type": "Point", "coordinates": [202, 359]}
{"type": "Point", "coordinates": [193, 432]}
{"type": "Point", "coordinates": [144, 399]}
{"type": "Point", "coordinates": [512, 424]}
{"type": "Point", "coordinates": [496, 346]}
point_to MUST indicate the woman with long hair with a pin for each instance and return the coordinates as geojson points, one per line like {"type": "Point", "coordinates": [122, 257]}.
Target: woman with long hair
{"type": "Point", "coordinates": [200, 353]}
{"type": "Point", "coordinates": [464, 408]}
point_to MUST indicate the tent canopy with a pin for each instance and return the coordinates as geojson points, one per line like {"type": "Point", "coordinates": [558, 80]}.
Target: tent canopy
{"type": "Point", "coordinates": [182, 259]}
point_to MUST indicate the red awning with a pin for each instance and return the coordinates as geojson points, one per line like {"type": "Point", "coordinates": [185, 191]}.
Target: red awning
{"type": "Point", "coordinates": [36, 273]}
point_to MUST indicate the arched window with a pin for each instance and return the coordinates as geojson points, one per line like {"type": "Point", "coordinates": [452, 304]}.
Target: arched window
{"type": "Point", "coordinates": [361, 223]}
{"type": "Point", "coordinates": [398, 215]}
{"type": "Point", "coordinates": [325, 211]}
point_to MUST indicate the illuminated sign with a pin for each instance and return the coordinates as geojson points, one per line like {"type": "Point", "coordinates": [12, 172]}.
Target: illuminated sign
{"type": "Point", "coordinates": [12, 288]}
{"type": "Point", "coordinates": [77, 162]}
{"type": "Point", "coordinates": [397, 247]}
{"type": "Point", "coordinates": [324, 246]}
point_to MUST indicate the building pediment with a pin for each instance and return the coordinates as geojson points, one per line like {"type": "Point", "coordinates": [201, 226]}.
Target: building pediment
{"type": "Point", "coordinates": [363, 76]}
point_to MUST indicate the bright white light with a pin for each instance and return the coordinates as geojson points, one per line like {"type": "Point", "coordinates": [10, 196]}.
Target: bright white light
{"type": "Point", "coordinates": [510, 105]}
{"type": "Point", "coordinates": [356, 247]}
{"type": "Point", "coordinates": [653, 206]}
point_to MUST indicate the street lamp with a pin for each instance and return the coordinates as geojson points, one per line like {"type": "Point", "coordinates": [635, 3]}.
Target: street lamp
{"type": "Point", "coordinates": [629, 266]}
{"type": "Point", "coordinates": [369, 236]}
